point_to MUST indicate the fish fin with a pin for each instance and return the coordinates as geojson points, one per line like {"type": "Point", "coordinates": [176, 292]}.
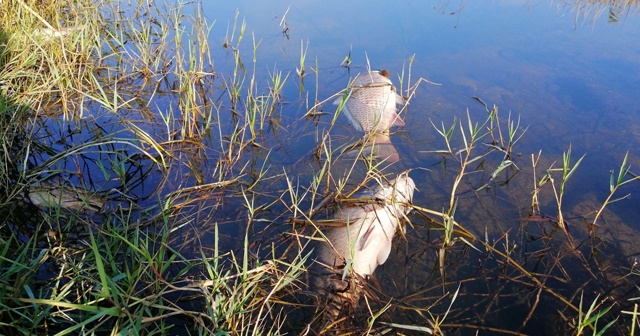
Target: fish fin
{"type": "Point", "coordinates": [400, 100]}
{"type": "Point", "coordinates": [383, 252]}
{"type": "Point", "coordinates": [352, 120]}
{"type": "Point", "coordinates": [397, 121]}
{"type": "Point", "coordinates": [346, 112]}
{"type": "Point", "coordinates": [364, 240]}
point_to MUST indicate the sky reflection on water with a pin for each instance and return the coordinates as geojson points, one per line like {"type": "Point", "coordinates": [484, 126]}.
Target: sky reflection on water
{"type": "Point", "coordinates": [572, 80]}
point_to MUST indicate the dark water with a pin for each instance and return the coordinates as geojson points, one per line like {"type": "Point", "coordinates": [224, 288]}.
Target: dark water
{"type": "Point", "coordinates": [571, 78]}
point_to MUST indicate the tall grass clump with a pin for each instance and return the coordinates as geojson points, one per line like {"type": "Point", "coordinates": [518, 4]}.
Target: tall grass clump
{"type": "Point", "coordinates": [101, 113]}
{"type": "Point", "coordinates": [130, 280]}
{"type": "Point", "coordinates": [49, 50]}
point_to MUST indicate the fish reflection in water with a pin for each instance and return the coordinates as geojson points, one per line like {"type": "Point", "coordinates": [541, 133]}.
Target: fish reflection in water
{"type": "Point", "coordinates": [370, 107]}
{"type": "Point", "coordinates": [360, 239]}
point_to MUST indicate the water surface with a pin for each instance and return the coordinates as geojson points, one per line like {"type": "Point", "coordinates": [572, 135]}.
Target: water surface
{"type": "Point", "coordinates": [570, 77]}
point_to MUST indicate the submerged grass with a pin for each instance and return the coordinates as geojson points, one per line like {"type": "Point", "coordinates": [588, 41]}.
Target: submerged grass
{"type": "Point", "coordinates": [99, 102]}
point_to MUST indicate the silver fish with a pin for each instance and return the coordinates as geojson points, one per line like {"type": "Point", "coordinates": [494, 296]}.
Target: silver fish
{"type": "Point", "coordinates": [371, 102]}
{"type": "Point", "coordinates": [365, 242]}
{"type": "Point", "coordinates": [371, 107]}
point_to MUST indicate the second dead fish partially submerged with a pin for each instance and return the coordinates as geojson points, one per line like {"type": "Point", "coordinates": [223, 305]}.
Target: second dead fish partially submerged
{"type": "Point", "coordinates": [371, 108]}
{"type": "Point", "coordinates": [57, 194]}
{"type": "Point", "coordinates": [366, 238]}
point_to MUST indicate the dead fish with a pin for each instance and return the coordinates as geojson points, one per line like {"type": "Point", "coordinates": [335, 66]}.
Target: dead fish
{"type": "Point", "coordinates": [371, 107]}
{"type": "Point", "coordinates": [360, 240]}
{"type": "Point", "coordinates": [365, 241]}
{"type": "Point", "coordinates": [48, 194]}
{"type": "Point", "coordinates": [371, 103]}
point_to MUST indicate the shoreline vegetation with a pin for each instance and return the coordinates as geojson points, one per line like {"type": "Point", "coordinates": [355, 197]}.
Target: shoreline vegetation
{"type": "Point", "coordinates": [142, 193]}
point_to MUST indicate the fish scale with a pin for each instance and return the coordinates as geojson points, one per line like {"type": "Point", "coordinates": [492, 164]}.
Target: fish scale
{"type": "Point", "coordinates": [371, 103]}
{"type": "Point", "coordinates": [370, 107]}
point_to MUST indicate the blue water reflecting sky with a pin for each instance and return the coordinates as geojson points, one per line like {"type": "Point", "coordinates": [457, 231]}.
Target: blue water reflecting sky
{"type": "Point", "coordinates": [573, 79]}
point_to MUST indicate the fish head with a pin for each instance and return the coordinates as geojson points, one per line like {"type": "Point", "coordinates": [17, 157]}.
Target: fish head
{"type": "Point", "coordinates": [372, 79]}
{"type": "Point", "coordinates": [404, 188]}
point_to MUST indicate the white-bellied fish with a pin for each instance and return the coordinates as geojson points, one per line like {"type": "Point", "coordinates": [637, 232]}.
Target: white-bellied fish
{"type": "Point", "coordinates": [364, 241]}
{"type": "Point", "coordinates": [371, 107]}
{"type": "Point", "coordinates": [359, 239]}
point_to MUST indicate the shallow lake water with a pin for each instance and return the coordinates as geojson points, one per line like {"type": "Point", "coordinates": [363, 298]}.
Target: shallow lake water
{"type": "Point", "coordinates": [570, 76]}
{"type": "Point", "coordinates": [568, 73]}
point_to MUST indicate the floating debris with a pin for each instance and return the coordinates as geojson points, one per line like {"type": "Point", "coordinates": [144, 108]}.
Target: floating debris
{"type": "Point", "coordinates": [54, 32]}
